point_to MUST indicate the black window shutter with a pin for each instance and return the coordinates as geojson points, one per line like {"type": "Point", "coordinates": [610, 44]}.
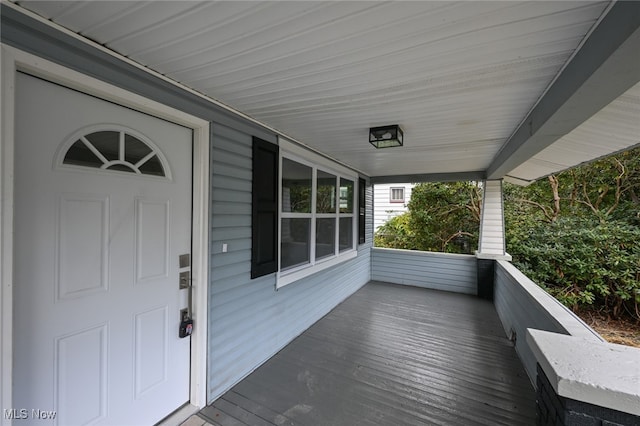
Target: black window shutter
{"type": "Point", "coordinates": [362, 208]}
{"type": "Point", "coordinates": [264, 209]}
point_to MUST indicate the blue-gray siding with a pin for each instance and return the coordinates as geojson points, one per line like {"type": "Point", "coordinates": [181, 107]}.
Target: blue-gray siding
{"type": "Point", "coordinates": [521, 304]}
{"type": "Point", "coordinates": [438, 271]}
{"type": "Point", "coordinates": [249, 321]}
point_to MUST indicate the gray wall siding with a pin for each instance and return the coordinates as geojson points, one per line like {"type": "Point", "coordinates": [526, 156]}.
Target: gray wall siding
{"type": "Point", "coordinates": [249, 321]}
{"type": "Point", "coordinates": [439, 271]}
{"type": "Point", "coordinates": [521, 304]}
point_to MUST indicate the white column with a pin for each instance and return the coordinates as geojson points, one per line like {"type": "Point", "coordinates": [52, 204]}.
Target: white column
{"type": "Point", "coordinates": [491, 244]}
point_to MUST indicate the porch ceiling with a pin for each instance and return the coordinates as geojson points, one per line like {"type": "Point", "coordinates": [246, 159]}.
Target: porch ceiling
{"type": "Point", "coordinates": [459, 77]}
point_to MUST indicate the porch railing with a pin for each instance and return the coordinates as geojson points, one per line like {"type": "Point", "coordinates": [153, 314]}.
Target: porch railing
{"type": "Point", "coordinates": [522, 304]}
{"type": "Point", "coordinates": [438, 271]}
{"type": "Point", "coordinates": [576, 372]}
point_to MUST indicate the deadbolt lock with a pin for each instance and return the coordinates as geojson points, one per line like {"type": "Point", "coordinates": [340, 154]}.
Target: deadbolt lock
{"type": "Point", "coordinates": [184, 280]}
{"type": "Point", "coordinates": [184, 260]}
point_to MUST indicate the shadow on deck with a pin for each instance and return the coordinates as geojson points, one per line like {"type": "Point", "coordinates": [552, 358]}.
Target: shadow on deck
{"type": "Point", "coordinates": [389, 355]}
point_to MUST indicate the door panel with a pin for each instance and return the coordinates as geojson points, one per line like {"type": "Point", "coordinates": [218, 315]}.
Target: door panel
{"type": "Point", "coordinates": [82, 249]}
{"type": "Point", "coordinates": [97, 240]}
{"type": "Point", "coordinates": [152, 239]}
{"type": "Point", "coordinates": [80, 361]}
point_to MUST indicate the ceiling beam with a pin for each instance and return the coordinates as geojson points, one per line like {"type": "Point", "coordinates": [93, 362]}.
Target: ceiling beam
{"type": "Point", "coordinates": [606, 66]}
{"type": "Point", "coordinates": [430, 177]}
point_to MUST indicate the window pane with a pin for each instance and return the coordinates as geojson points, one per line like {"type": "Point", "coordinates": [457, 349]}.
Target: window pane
{"type": "Point", "coordinates": [296, 187]}
{"type": "Point", "coordinates": [121, 168]}
{"type": "Point", "coordinates": [346, 233]}
{"type": "Point", "coordinates": [295, 242]}
{"type": "Point", "coordinates": [152, 166]}
{"type": "Point", "coordinates": [326, 195]}
{"type": "Point", "coordinates": [325, 237]}
{"type": "Point", "coordinates": [80, 155]}
{"type": "Point", "coordinates": [346, 196]}
{"type": "Point", "coordinates": [134, 149]}
{"type": "Point", "coordinates": [107, 142]}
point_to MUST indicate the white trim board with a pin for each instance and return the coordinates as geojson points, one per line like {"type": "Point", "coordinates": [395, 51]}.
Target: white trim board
{"type": "Point", "coordinates": [14, 60]}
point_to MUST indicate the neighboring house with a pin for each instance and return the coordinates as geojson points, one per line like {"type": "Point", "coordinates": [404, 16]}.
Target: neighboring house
{"type": "Point", "coordinates": [136, 200]}
{"type": "Point", "coordinates": [389, 200]}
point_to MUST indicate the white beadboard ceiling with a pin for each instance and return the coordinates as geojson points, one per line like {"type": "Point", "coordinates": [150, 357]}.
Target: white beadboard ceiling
{"type": "Point", "coordinates": [458, 77]}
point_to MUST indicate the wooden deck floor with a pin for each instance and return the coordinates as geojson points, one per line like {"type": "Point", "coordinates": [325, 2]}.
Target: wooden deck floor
{"type": "Point", "coordinates": [389, 355]}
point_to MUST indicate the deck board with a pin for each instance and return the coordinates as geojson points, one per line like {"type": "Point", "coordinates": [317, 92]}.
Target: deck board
{"type": "Point", "coordinates": [389, 355]}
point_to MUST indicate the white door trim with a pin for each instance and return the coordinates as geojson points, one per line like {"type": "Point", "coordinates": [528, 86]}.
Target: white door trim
{"type": "Point", "coordinates": [14, 60]}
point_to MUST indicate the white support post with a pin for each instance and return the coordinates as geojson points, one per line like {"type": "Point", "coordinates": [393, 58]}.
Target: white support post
{"type": "Point", "coordinates": [491, 244]}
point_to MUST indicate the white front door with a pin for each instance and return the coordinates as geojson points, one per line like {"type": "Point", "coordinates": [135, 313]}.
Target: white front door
{"type": "Point", "coordinates": [102, 214]}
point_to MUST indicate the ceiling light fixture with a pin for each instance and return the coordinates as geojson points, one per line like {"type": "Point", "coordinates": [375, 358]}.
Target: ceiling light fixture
{"type": "Point", "coordinates": [386, 136]}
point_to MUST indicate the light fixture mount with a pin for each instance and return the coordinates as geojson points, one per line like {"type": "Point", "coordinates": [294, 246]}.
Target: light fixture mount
{"type": "Point", "coordinates": [386, 136]}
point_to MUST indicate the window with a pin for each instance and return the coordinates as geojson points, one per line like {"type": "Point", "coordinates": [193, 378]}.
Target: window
{"type": "Point", "coordinates": [396, 195]}
{"type": "Point", "coordinates": [296, 214]}
{"type": "Point", "coordinates": [346, 214]}
{"type": "Point", "coordinates": [115, 150]}
{"type": "Point", "coordinates": [317, 218]}
{"type": "Point", "coordinates": [304, 213]}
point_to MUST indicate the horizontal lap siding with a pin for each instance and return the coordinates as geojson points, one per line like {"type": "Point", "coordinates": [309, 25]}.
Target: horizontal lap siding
{"type": "Point", "coordinates": [518, 313]}
{"type": "Point", "coordinates": [384, 209]}
{"type": "Point", "coordinates": [249, 321]}
{"type": "Point", "coordinates": [521, 307]}
{"type": "Point", "coordinates": [439, 271]}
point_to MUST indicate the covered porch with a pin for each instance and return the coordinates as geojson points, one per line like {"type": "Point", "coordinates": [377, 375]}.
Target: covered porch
{"type": "Point", "coordinates": [431, 340]}
{"type": "Point", "coordinates": [484, 91]}
{"type": "Point", "coordinates": [388, 355]}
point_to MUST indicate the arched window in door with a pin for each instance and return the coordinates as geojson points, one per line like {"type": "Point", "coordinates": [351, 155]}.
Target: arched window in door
{"type": "Point", "coordinates": [114, 149]}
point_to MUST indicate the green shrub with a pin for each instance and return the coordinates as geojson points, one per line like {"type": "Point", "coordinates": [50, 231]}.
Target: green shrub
{"type": "Point", "coordinates": [395, 233]}
{"type": "Point", "coordinates": [582, 262]}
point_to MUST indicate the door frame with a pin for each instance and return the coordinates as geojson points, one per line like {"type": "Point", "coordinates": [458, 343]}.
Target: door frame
{"type": "Point", "coordinates": [14, 60]}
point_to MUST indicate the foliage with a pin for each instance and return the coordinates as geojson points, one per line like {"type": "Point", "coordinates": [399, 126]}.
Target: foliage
{"type": "Point", "coordinates": [442, 217]}
{"type": "Point", "coordinates": [577, 234]}
{"type": "Point", "coordinates": [607, 188]}
{"type": "Point", "coordinates": [583, 262]}
{"type": "Point", "coordinates": [604, 190]}
{"type": "Point", "coordinates": [395, 233]}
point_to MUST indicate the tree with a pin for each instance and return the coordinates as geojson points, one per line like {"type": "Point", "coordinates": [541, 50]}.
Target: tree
{"type": "Point", "coordinates": [442, 217]}
{"type": "Point", "coordinates": [577, 234]}
{"type": "Point", "coordinates": [605, 189]}
{"type": "Point", "coordinates": [396, 233]}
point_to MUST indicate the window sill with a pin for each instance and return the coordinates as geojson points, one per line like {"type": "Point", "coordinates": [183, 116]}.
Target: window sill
{"type": "Point", "coordinates": [287, 277]}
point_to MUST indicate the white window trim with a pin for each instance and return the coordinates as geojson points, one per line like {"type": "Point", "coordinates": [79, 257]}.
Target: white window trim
{"type": "Point", "coordinates": [298, 154]}
{"type": "Point", "coordinates": [396, 200]}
